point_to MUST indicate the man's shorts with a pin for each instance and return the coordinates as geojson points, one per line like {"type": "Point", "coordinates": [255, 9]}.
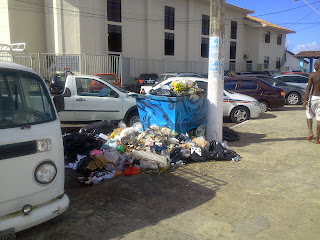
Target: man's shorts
{"type": "Point", "coordinates": [313, 109]}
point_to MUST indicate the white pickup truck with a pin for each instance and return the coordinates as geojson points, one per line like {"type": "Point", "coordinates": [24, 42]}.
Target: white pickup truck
{"type": "Point", "coordinates": [89, 98]}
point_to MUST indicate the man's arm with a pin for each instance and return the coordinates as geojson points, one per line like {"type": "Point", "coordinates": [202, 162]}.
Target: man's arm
{"type": "Point", "coordinates": [308, 88]}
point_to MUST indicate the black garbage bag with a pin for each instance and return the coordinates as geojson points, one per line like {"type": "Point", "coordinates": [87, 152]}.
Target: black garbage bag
{"type": "Point", "coordinates": [104, 127]}
{"type": "Point", "coordinates": [201, 155]}
{"type": "Point", "coordinates": [230, 135]}
{"type": "Point", "coordinates": [79, 143]}
{"type": "Point", "coordinates": [82, 166]}
{"type": "Point", "coordinates": [220, 153]}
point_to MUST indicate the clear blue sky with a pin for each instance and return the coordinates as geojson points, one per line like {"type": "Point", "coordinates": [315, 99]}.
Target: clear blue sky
{"type": "Point", "coordinates": [295, 15]}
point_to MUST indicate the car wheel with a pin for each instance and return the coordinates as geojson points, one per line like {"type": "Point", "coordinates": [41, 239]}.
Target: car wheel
{"type": "Point", "coordinates": [239, 114]}
{"type": "Point", "coordinates": [293, 98]}
{"type": "Point", "coordinates": [134, 118]}
{"type": "Point", "coordinates": [264, 106]}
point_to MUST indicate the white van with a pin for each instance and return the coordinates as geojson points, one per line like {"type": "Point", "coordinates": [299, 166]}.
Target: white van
{"type": "Point", "coordinates": [31, 152]}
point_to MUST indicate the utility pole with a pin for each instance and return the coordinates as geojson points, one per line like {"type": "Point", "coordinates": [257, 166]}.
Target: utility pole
{"type": "Point", "coordinates": [216, 71]}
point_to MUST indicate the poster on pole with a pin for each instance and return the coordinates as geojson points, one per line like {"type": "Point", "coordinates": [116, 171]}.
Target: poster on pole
{"type": "Point", "coordinates": [213, 63]}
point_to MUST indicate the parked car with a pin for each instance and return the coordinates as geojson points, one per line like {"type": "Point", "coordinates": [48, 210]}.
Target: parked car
{"type": "Point", "coordinates": [293, 94]}
{"type": "Point", "coordinates": [147, 78]}
{"type": "Point", "coordinates": [237, 106]}
{"type": "Point", "coordinates": [165, 76]}
{"type": "Point", "coordinates": [269, 96]}
{"type": "Point", "coordinates": [293, 79]}
{"type": "Point", "coordinates": [109, 77]}
{"type": "Point", "coordinates": [298, 72]}
{"type": "Point", "coordinates": [268, 73]}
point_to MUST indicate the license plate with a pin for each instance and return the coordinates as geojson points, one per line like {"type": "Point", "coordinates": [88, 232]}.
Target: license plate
{"type": "Point", "coordinates": [7, 234]}
{"type": "Point", "coordinates": [149, 81]}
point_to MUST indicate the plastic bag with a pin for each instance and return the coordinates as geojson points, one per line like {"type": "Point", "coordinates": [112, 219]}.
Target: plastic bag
{"type": "Point", "coordinates": [131, 171]}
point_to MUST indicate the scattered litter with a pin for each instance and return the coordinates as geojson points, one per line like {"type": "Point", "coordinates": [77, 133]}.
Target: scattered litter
{"type": "Point", "coordinates": [98, 156]}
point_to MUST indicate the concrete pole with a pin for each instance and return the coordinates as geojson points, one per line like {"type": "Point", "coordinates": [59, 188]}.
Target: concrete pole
{"type": "Point", "coordinates": [216, 71]}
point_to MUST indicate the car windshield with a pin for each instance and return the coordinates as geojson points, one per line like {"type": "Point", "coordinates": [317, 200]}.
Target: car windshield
{"type": "Point", "coordinates": [164, 77]}
{"type": "Point", "coordinates": [24, 100]}
{"type": "Point", "coordinates": [148, 75]}
{"type": "Point", "coordinates": [108, 77]}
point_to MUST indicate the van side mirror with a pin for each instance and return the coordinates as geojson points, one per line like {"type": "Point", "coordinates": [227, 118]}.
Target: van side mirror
{"type": "Point", "coordinates": [59, 102]}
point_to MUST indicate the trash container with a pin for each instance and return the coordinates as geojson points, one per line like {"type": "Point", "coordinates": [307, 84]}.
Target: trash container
{"type": "Point", "coordinates": [180, 114]}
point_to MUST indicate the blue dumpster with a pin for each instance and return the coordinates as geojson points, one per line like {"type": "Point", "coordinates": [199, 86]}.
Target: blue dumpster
{"type": "Point", "coordinates": [180, 114]}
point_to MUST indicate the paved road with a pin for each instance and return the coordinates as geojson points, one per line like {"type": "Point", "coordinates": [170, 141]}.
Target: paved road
{"type": "Point", "coordinates": [272, 193]}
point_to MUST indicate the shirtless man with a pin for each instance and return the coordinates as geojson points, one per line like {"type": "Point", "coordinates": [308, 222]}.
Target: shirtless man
{"type": "Point", "coordinates": [313, 109]}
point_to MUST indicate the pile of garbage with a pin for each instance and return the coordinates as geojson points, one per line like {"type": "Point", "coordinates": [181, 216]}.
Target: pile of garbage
{"type": "Point", "coordinates": [183, 87]}
{"type": "Point", "coordinates": [130, 150]}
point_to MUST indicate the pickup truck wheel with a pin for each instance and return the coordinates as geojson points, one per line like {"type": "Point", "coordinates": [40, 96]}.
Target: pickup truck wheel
{"type": "Point", "coordinates": [134, 117]}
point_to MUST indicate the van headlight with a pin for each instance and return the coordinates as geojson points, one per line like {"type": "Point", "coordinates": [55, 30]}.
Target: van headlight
{"type": "Point", "coordinates": [45, 172]}
{"type": "Point", "coordinates": [44, 145]}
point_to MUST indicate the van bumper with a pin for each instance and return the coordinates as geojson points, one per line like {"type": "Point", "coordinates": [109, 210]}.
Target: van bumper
{"type": "Point", "coordinates": [38, 215]}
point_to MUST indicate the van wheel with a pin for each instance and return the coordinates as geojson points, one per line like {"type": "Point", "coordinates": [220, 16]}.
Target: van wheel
{"type": "Point", "coordinates": [133, 118]}
{"type": "Point", "coordinates": [263, 106]}
{"type": "Point", "coordinates": [239, 114]}
{"type": "Point", "coordinates": [293, 98]}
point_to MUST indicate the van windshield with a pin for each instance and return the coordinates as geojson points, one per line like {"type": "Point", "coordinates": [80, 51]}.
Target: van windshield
{"type": "Point", "coordinates": [24, 100]}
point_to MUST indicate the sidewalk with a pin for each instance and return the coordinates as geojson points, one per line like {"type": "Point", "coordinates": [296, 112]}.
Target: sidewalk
{"type": "Point", "coordinates": [271, 193]}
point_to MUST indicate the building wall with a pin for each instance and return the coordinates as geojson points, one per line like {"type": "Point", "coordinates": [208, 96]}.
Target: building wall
{"type": "Point", "coordinates": [293, 63]}
{"type": "Point", "coordinates": [271, 50]}
{"type": "Point", "coordinates": [25, 22]}
{"type": "Point", "coordinates": [4, 22]}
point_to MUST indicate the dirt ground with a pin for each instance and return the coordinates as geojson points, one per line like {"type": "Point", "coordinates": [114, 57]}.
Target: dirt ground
{"type": "Point", "coordinates": [271, 193]}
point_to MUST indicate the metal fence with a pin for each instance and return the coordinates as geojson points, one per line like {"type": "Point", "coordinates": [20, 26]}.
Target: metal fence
{"type": "Point", "coordinates": [127, 69]}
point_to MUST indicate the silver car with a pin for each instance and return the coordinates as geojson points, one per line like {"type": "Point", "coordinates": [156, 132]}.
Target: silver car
{"type": "Point", "coordinates": [293, 94]}
{"type": "Point", "coordinates": [293, 79]}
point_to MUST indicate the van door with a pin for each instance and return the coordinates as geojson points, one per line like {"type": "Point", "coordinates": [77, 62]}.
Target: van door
{"type": "Point", "coordinates": [96, 100]}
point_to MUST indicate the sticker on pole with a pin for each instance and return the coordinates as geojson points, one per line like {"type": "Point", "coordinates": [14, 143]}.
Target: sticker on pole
{"type": "Point", "coordinates": [213, 63]}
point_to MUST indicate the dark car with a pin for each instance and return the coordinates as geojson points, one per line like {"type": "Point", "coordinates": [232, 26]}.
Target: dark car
{"type": "Point", "coordinates": [268, 96]}
{"type": "Point", "coordinates": [293, 94]}
{"type": "Point", "coordinates": [147, 79]}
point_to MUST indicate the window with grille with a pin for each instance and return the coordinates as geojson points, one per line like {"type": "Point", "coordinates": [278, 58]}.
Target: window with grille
{"type": "Point", "coordinates": [205, 24]}
{"type": "Point", "coordinates": [169, 44]}
{"type": "Point", "coordinates": [234, 26]}
{"type": "Point", "coordinates": [205, 47]}
{"type": "Point", "coordinates": [279, 39]}
{"type": "Point", "coordinates": [169, 18]}
{"type": "Point", "coordinates": [114, 38]}
{"type": "Point", "coordinates": [266, 62]}
{"type": "Point", "coordinates": [114, 10]}
{"type": "Point", "coordinates": [278, 62]}
{"type": "Point", "coordinates": [233, 50]}
{"type": "Point", "coordinates": [267, 37]}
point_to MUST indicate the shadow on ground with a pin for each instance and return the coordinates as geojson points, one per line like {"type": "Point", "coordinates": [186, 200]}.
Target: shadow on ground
{"type": "Point", "coordinates": [124, 204]}
{"type": "Point", "coordinates": [250, 138]}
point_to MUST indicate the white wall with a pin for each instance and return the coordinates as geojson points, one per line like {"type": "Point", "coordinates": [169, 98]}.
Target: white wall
{"type": "Point", "coordinates": [293, 63]}
{"type": "Point", "coordinates": [4, 22]}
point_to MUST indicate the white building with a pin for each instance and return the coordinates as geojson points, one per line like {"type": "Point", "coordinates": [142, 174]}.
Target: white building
{"type": "Point", "coordinates": [293, 63]}
{"type": "Point", "coordinates": [150, 35]}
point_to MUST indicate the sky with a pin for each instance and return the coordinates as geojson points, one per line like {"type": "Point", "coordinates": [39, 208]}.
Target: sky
{"type": "Point", "coordinates": [298, 16]}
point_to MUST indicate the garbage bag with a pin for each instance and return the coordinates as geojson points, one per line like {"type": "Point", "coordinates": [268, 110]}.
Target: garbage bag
{"type": "Point", "coordinates": [105, 127]}
{"type": "Point", "coordinates": [218, 152]}
{"type": "Point", "coordinates": [131, 171]}
{"type": "Point", "coordinates": [79, 143]}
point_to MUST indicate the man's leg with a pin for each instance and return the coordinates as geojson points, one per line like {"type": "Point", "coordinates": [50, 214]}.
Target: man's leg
{"type": "Point", "coordinates": [309, 123]}
{"type": "Point", "coordinates": [318, 132]}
